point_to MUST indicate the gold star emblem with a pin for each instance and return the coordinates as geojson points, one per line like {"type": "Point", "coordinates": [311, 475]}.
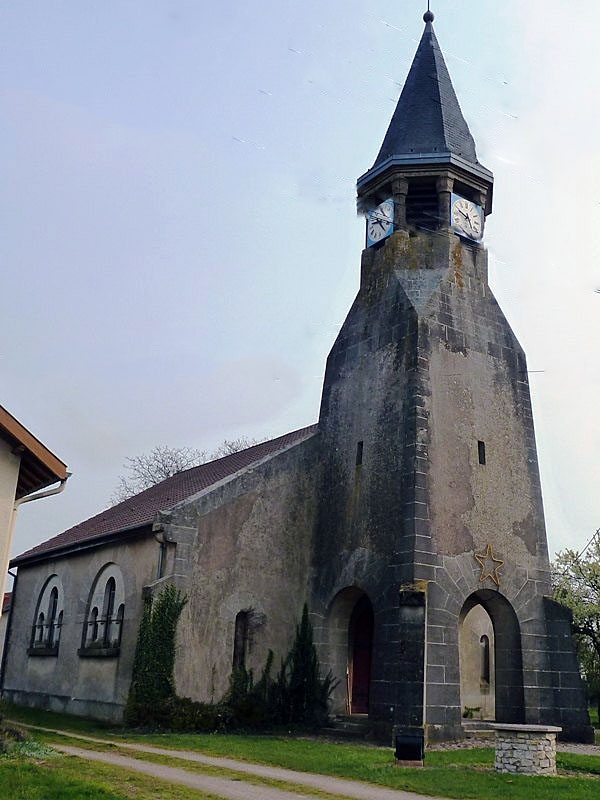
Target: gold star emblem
{"type": "Point", "coordinates": [489, 565]}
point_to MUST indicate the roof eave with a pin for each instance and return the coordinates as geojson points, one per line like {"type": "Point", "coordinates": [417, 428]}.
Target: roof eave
{"type": "Point", "coordinates": [417, 159]}
{"type": "Point", "coordinates": [86, 544]}
{"type": "Point", "coordinates": [39, 466]}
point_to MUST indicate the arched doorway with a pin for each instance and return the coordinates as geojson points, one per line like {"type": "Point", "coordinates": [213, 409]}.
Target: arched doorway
{"type": "Point", "coordinates": [477, 665]}
{"type": "Point", "coordinates": [360, 648]}
{"type": "Point", "coordinates": [491, 662]}
{"type": "Point", "coordinates": [349, 650]}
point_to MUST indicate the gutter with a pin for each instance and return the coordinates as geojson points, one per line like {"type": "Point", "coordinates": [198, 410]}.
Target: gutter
{"type": "Point", "coordinates": [39, 495]}
{"type": "Point", "coordinates": [28, 498]}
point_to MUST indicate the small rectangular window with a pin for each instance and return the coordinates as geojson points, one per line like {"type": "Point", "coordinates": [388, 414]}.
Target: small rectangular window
{"type": "Point", "coordinates": [481, 449]}
{"type": "Point", "coordinates": [240, 640]}
{"type": "Point", "coordinates": [162, 556]}
{"type": "Point", "coordinates": [359, 454]}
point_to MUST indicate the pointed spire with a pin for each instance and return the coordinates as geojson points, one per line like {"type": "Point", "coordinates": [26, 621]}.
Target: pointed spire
{"type": "Point", "coordinates": [428, 118]}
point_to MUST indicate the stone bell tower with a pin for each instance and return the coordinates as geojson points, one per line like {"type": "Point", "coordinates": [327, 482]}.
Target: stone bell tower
{"type": "Point", "coordinates": [430, 574]}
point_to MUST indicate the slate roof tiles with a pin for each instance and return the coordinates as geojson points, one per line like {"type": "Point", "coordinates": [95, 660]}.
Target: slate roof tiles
{"type": "Point", "coordinates": [428, 118]}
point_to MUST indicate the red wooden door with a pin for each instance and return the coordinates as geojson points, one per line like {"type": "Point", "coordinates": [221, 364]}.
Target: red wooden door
{"type": "Point", "coordinates": [361, 637]}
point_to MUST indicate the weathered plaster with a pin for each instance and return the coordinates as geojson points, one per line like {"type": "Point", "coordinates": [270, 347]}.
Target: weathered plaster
{"type": "Point", "coordinates": [68, 682]}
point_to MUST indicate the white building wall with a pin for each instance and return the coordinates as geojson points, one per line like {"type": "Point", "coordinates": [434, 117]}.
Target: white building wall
{"type": "Point", "coordinates": [9, 473]}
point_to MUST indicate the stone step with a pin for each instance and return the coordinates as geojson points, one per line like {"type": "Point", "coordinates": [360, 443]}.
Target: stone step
{"type": "Point", "coordinates": [348, 727]}
{"type": "Point", "coordinates": [478, 729]}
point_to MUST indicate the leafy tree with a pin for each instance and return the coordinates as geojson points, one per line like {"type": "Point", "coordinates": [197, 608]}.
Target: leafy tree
{"type": "Point", "coordinates": [163, 462]}
{"type": "Point", "coordinates": [576, 578]}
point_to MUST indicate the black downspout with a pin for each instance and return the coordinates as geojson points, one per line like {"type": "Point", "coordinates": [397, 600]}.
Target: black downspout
{"type": "Point", "coordinates": [8, 631]}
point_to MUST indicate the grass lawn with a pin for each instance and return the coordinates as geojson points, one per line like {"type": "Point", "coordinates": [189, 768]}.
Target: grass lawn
{"type": "Point", "coordinates": [32, 773]}
{"type": "Point", "coordinates": [461, 774]}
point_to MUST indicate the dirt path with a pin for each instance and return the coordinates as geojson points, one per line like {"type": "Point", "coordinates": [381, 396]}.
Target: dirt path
{"type": "Point", "coordinates": [229, 788]}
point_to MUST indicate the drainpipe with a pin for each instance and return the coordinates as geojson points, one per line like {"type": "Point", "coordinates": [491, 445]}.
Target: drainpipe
{"type": "Point", "coordinates": [8, 630]}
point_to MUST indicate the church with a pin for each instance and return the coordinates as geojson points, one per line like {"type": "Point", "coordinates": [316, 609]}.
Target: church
{"type": "Point", "coordinates": [409, 517]}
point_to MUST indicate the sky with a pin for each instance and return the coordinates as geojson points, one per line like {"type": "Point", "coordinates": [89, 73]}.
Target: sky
{"type": "Point", "coordinates": [179, 242]}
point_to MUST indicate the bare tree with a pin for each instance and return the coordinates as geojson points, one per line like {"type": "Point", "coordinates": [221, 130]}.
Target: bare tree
{"type": "Point", "coordinates": [148, 469]}
{"type": "Point", "coordinates": [229, 446]}
{"type": "Point", "coordinates": [162, 462]}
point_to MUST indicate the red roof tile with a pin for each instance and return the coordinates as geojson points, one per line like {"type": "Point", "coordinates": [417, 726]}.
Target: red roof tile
{"type": "Point", "coordinates": [141, 509]}
{"type": "Point", "coordinates": [6, 602]}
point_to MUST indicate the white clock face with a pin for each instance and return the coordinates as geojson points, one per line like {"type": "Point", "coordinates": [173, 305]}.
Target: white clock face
{"type": "Point", "coordinates": [380, 222]}
{"type": "Point", "coordinates": [467, 218]}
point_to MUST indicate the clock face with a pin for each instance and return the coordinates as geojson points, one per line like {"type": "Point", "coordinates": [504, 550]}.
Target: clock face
{"type": "Point", "coordinates": [380, 222]}
{"type": "Point", "coordinates": [466, 218]}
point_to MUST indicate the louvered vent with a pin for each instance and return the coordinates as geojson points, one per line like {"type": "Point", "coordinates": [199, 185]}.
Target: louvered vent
{"type": "Point", "coordinates": [422, 206]}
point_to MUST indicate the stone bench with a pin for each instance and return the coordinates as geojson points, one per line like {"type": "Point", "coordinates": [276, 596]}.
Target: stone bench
{"type": "Point", "coordinates": [526, 749]}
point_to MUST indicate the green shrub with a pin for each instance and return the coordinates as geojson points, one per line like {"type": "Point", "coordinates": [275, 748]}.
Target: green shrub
{"type": "Point", "coordinates": [152, 691]}
{"type": "Point", "coordinates": [190, 715]}
{"type": "Point", "coordinates": [296, 696]}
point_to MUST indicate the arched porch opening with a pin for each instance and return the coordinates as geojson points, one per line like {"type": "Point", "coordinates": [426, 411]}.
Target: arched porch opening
{"type": "Point", "coordinates": [491, 662]}
{"type": "Point", "coordinates": [350, 642]}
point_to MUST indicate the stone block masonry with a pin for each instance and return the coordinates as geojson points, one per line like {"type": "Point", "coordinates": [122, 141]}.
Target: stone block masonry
{"type": "Point", "coordinates": [526, 749]}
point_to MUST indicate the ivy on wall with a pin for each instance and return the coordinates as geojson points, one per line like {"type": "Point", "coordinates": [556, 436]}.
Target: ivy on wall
{"type": "Point", "coordinates": [152, 689]}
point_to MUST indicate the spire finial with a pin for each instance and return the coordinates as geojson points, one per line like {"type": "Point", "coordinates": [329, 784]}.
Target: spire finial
{"type": "Point", "coordinates": [428, 15]}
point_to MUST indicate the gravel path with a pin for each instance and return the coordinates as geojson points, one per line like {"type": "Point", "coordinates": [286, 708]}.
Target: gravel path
{"type": "Point", "coordinates": [229, 788]}
{"type": "Point", "coordinates": [238, 789]}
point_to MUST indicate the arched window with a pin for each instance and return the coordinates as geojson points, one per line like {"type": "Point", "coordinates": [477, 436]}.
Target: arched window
{"type": "Point", "coordinates": [107, 610]}
{"type": "Point", "coordinates": [485, 659]}
{"type": "Point", "coordinates": [240, 640]}
{"type": "Point", "coordinates": [58, 628]}
{"type": "Point", "coordinates": [92, 627]}
{"type": "Point", "coordinates": [40, 629]}
{"type": "Point", "coordinates": [48, 619]}
{"type": "Point", "coordinates": [52, 614]}
{"type": "Point", "coordinates": [118, 625]}
{"type": "Point", "coordinates": [104, 620]}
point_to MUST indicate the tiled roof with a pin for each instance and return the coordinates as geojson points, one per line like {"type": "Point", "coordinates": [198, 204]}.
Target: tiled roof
{"type": "Point", "coordinates": [428, 118]}
{"type": "Point", "coordinates": [6, 602]}
{"type": "Point", "coordinates": [141, 509]}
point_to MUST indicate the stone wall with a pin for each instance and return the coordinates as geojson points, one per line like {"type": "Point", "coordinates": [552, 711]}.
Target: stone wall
{"type": "Point", "coordinates": [527, 750]}
{"type": "Point", "coordinates": [429, 460]}
{"type": "Point", "coordinates": [242, 546]}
